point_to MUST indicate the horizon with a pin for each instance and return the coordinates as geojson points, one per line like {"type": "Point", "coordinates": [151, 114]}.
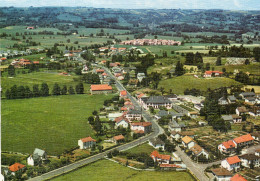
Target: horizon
{"type": "Point", "coordinates": [237, 5]}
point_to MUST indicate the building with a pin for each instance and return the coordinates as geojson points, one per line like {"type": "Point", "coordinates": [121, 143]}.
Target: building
{"type": "Point", "coordinates": [87, 142]}
{"type": "Point", "coordinates": [236, 118]}
{"type": "Point", "coordinates": [123, 93]}
{"type": "Point", "coordinates": [37, 158]}
{"type": "Point", "coordinates": [157, 143]}
{"type": "Point", "coordinates": [241, 110]}
{"type": "Point", "coordinates": [245, 95]}
{"type": "Point", "coordinates": [156, 102]}
{"type": "Point", "coordinates": [250, 100]}
{"type": "Point", "coordinates": [16, 167]}
{"type": "Point", "coordinates": [174, 126]}
{"type": "Point", "coordinates": [250, 159]}
{"type": "Point", "coordinates": [227, 147]}
{"type": "Point", "coordinates": [142, 127]}
{"type": "Point", "coordinates": [213, 74]}
{"type": "Point", "coordinates": [198, 150]}
{"type": "Point", "coordinates": [121, 121]}
{"type": "Point", "coordinates": [188, 142]}
{"type": "Point", "coordinates": [231, 163]}
{"type": "Point", "coordinates": [238, 177]}
{"type": "Point", "coordinates": [134, 114]}
{"type": "Point", "coordinates": [113, 116]}
{"type": "Point", "coordinates": [161, 159]}
{"type": "Point", "coordinates": [223, 101]}
{"type": "Point", "coordinates": [140, 76]}
{"type": "Point", "coordinates": [231, 99]}
{"type": "Point", "coordinates": [221, 174]}
{"type": "Point", "coordinates": [119, 138]}
{"type": "Point", "coordinates": [256, 136]}
{"type": "Point", "coordinates": [177, 135]}
{"type": "Point", "coordinates": [244, 140]}
{"type": "Point", "coordinates": [101, 89]}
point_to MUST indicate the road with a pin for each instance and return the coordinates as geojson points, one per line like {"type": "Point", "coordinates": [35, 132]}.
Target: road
{"type": "Point", "coordinates": [156, 131]}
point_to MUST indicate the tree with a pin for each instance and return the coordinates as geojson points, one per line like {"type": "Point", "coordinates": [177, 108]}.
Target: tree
{"type": "Point", "coordinates": [64, 90]}
{"type": "Point", "coordinates": [79, 88]}
{"type": "Point", "coordinates": [56, 89]}
{"type": "Point", "coordinates": [179, 70]}
{"type": "Point", "coordinates": [44, 89]}
{"type": "Point", "coordinates": [91, 120]}
{"type": "Point", "coordinates": [218, 62]}
{"type": "Point", "coordinates": [8, 94]}
{"type": "Point", "coordinates": [28, 93]}
{"type": "Point", "coordinates": [36, 91]}
{"type": "Point", "coordinates": [11, 71]}
{"type": "Point", "coordinates": [94, 112]}
{"type": "Point", "coordinates": [21, 92]}
{"type": "Point", "coordinates": [71, 90]}
{"type": "Point", "coordinates": [247, 62]}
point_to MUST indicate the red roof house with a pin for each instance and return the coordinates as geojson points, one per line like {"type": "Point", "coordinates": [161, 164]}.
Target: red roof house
{"type": "Point", "coordinates": [238, 177]}
{"type": "Point", "coordinates": [123, 93]}
{"type": "Point", "coordinates": [15, 167]}
{"type": "Point", "coordinates": [162, 159]}
{"type": "Point", "coordinates": [100, 88]}
{"type": "Point", "coordinates": [243, 140]}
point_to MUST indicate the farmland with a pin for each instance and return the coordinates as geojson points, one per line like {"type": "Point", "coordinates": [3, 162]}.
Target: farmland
{"type": "Point", "coordinates": [106, 170]}
{"type": "Point", "coordinates": [179, 84]}
{"type": "Point", "coordinates": [52, 123]}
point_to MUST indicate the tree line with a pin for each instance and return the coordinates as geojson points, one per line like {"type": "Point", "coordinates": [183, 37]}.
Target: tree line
{"type": "Point", "coordinates": [21, 92]}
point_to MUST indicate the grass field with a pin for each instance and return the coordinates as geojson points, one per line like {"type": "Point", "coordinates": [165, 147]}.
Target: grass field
{"type": "Point", "coordinates": [38, 78]}
{"type": "Point", "coordinates": [52, 123]}
{"type": "Point", "coordinates": [106, 170]}
{"type": "Point", "coordinates": [179, 84]}
{"type": "Point", "coordinates": [143, 148]}
{"type": "Point", "coordinates": [252, 68]}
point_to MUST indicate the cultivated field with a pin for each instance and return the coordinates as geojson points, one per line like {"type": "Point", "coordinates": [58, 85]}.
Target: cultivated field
{"type": "Point", "coordinates": [52, 123]}
{"type": "Point", "coordinates": [106, 170]}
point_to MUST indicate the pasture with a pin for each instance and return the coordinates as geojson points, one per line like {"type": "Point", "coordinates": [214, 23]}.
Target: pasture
{"type": "Point", "coordinates": [52, 123]}
{"type": "Point", "coordinates": [105, 170]}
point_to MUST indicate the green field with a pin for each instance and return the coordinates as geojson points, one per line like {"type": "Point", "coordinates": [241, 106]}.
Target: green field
{"type": "Point", "coordinates": [252, 68]}
{"type": "Point", "coordinates": [179, 84]}
{"type": "Point", "coordinates": [38, 78]}
{"type": "Point", "coordinates": [143, 148]}
{"type": "Point", "coordinates": [52, 123]}
{"type": "Point", "coordinates": [106, 170]}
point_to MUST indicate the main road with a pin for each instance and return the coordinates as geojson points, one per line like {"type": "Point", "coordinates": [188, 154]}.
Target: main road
{"type": "Point", "coordinates": [157, 130]}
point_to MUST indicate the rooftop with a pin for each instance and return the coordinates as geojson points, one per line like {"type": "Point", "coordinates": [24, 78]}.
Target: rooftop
{"type": "Point", "coordinates": [101, 87]}
{"type": "Point", "coordinates": [15, 167]}
{"type": "Point", "coordinates": [243, 138]}
{"type": "Point", "coordinates": [187, 139]}
{"type": "Point", "coordinates": [233, 160]}
{"type": "Point", "coordinates": [119, 137]}
{"type": "Point", "coordinates": [238, 177]}
{"type": "Point", "coordinates": [87, 139]}
{"type": "Point", "coordinates": [221, 172]}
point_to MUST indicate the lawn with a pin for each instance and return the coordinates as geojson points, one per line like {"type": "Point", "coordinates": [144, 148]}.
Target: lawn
{"type": "Point", "coordinates": [106, 170]}
{"type": "Point", "coordinates": [52, 123]}
{"type": "Point", "coordinates": [179, 84]}
{"type": "Point", "coordinates": [252, 68]}
{"type": "Point", "coordinates": [143, 148]}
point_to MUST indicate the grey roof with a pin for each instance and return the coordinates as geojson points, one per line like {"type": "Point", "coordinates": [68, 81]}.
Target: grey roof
{"type": "Point", "coordinates": [158, 100]}
{"type": "Point", "coordinates": [222, 98]}
{"type": "Point", "coordinates": [134, 111]}
{"type": "Point", "coordinates": [232, 98]}
{"type": "Point", "coordinates": [156, 141]}
{"type": "Point", "coordinates": [177, 114]}
{"type": "Point", "coordinates": [248, 94]}
{"type": "Point", "coordinates": [250, 98]}
{"type": "Point", "coordinates": [162, 113]}
{"type": "Point", "coordinates": [174, 124]}
{"type": "Point", "coordinates": [227, 117]}
{"type": "Point", "coordinates": [171, 96]}
{"type": "Point", "coordinates": [39, 152]}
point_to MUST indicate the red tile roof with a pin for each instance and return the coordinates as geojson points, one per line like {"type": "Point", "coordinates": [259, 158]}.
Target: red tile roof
{"type": "Point", "coordinates": [238, 177]}
{"type": "Point", "coordinates": [141, 95]}
{"type": "Point", "coordinates": [36, 62]}
{"type": "Point", "coordinates": [15, 167]}
{"type": "Point", "coordinates": [156, 154]}
{"type": "Point", "coordinates": [187, 139]}
{"type": "Point", "coordinates": [144, 124]}
{"type": "Point", "coordinates": [101, 87]}
{"type": "Point", "coordinates": [233, 160]}
{"type": "Point", "coordinates": [123, 108]}
{"type": "Point", "coordinates": [221, 172]}
{"type": "Point", "coordinates": [138, 131]}
{"type": "Point", "coordinates": [87, 139]}
{"type": "Point", "coordinates": [123, 93]}
{"type": "Point", "coordinates": [244, 138]}
{"type": "Point", "coordinates": [170, 166]}
{"type": "Point", "coordinates": [100, 70]}
{"type": "Point", "coordinates": [4, 58]}
{"type": "Point", "coordinates": [118, 119]}
{"type": "Point", "coordinates": [210, 72]}
{"type": "Point", "coordinates": [229, 144]}
{"type": "Point", "coordinates": [104, 74]}
{"type": "Point", "coordinates": [119, 137]}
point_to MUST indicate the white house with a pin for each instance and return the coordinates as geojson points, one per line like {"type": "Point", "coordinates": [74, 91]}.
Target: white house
{"type": "Point", "coordinates": [134, 114]}
{"type": "Point", "coordinates": [198, 150]}
{"type": "Point", "coordinates": [241, 110]}
{"type": "Point", "coordinates": [157, 143]}
{"type": "Point", "coordinates": [248, 159]}
{"type": "Point", "coordinates": [188, 142]}
{"type": "Point", "coordinates": [121, 121]}
{"type": "Point", "coordinates": [30, 161]}
{"type": "Point", "coordinates": [243, 140]}
{"type": "Point", "coordinates": [161, 159]}
{"type": "Point", "coordinates": [87, 142]}
{"type": "Point", "coordinates": [221, 174]}
{"type": "Point", "coordinates": [227, 147]}
{"type": "Point", "coordinates": [141, 127]}
{"type": "Point", "coordinates": [37, 157]}
{"type": "Point", "coordinates": [251, 100]}
{"type": "Point", "coordinates": [174, 126]}
{"type": "Point", "coordinates": [231, 163]}
{"type": "Point", "coordinates": [156, 102]}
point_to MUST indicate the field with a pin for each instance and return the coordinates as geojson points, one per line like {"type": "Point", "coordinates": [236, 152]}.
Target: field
{"type": "Point", "coordinates": [52, 123]}
{"type": "Point", "coordinates": [38, 78]}
{"type": "Point", "coordinates": [179, 84]}
{"type": "Point", "coordinates": [143, 148]}
{"type": "Point", "coordinates": [106, 170]}
{"type": "Point", "coordinates": [252, 68]}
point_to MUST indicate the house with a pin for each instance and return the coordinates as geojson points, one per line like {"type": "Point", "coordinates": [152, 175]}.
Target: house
{"type": "Point", "coordinates": [254, 111]}
{"type": "Point", "coordinates": [221, 174]}
{"type": "Point", "coordinates": [244, 140]}
{"type": "Point", "coordinates": [172, 97]}
{"type": "Point", "coordinates": [193, 114]}
{"type": "Point", "coordinates": [250, 100]}
{"type": "Point", "coordinates": [161, 159]}
{"type": "Point", "coordinates": [119, 138]}
{"type": "Point", "coordinates": [176, 115]}
{"type": "Point", "coordinates": [140, 76]}
{"type": "Point", "coordinates": [177, 135]}
{"type": "Point", "coordinates": [236, 118]}
{"type": "Point", "coordinates": [245, 95]}
{"type": "Point", "coordinates": [231, 99]}
{"type": "Point", "coordinates": [87, 142]}
{"type": "Point", "coordinates": [188, 142]}
{"type": "Point", "coordinates": [241, 110]}
{"type": "Point", "coordinates": [227, 147]}
{"type": "Point", "coordinates": [134, 114]}
{"type": "Point", "coordinates": [123, 93]}
{"type": "Point", "coordinates": [227, 118]}
{"type": "Point", "coordinates": [113, 116]}
{"type": "Point", "coordinates": [212, 74]}
{"type": "Point", "coordinates": [121, 121]}
{"type": "Point", "coordinates": [231, 163]}
{"type": "Point", "coordinates": [157, 143]}
{"type": "Point", "coordinates": [156, 102]}
{"type": "Point", "coordinates": [198, 106]}
{"type": "Point", "coordinates": [257, 152]}
{"type": "Point", "coordinates": [174, 126]}
{"type": "Point", "coordinates": [144, 127]}
{"type": "Point", "coordinates": [37, 157]}
{"type": "Point", "coordinates": [161, 113]}
{"type": "Point", "coordinates": [238, 177]}
{"type": "Point", "coordinates": [198, 150]}
{"type": "Point", "coordinates": [100, 89]}
{"type": "Point", "coordinates": [256, 136]}
{"type": "Point", "coordinates": [223, 101]}
{"type": "Point", "coordinates": [16, 167]}
{"type": "Point", "coordinates": [250, 159]}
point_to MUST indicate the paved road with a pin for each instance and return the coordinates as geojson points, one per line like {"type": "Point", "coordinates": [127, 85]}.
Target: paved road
{"type": "Point", "coordinates": [156, 131]}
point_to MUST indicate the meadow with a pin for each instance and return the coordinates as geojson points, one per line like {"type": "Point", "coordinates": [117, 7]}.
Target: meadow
{"type": "Point", "coordinates": [106, 170]}
{"type": "Point", "coordinates": [52, 123]}
{"type": "Point", "coordinates": [179, 84]}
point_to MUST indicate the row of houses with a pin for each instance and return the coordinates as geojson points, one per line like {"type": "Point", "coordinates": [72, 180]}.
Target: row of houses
{"type": "Point", "coordinates": [141, 42]}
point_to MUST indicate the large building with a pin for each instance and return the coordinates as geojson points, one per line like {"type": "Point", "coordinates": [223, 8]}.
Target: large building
{"type": "Point", "coordinates": [101, 89]}
{"type": "Point", "coordinates": [156, 102]}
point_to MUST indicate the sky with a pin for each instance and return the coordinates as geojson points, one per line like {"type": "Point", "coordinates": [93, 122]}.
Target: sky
{"type": "Point", "coordinates": [141, 4]}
